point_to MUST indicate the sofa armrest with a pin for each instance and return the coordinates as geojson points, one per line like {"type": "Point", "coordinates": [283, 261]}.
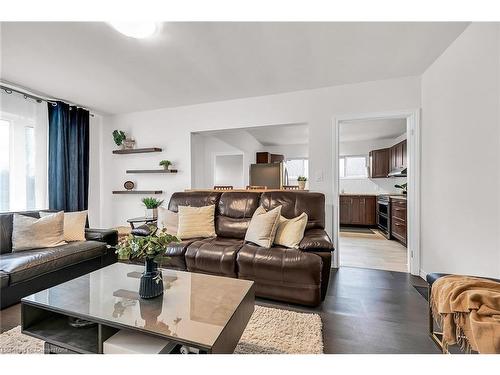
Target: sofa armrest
{"type": "Point", "coordinates": [316, 239]}
{"type": "Point", "coordinates": [110, 236]}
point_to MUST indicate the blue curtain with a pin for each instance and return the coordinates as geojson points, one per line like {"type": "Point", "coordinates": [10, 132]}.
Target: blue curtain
{"type": "Point", "coordinates": [68, 157]}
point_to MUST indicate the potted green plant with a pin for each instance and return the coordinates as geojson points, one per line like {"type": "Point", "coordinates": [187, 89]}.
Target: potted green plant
{"type": "Point", "coordinates": [152, 205]}
{"type": "Point", "coordinates": [121, 139]}
{"type": "Point", "coordinates": [152, 250]}
{"type": "Point", "coordinates": [166, 164]}
{"type": "Point", "coordinates": [403, 187]}
{"type": "Point", "coordinates": [301, 180]}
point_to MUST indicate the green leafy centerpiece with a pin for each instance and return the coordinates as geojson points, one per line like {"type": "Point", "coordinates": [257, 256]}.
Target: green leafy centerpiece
{"type": "Point", "coordinates": [152, 249]}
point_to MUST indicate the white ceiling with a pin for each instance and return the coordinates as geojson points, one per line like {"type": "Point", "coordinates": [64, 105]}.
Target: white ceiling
{"type": "Point", "coordinates": [280, 135]}
{"type": "Point", "coordinates": [91, 64]}
{"type": "Point", "coordinates": [273, 135]}
{"type": "Point", "coordinates": [366, 130]}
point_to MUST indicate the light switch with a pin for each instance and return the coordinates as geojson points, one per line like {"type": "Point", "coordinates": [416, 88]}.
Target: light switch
{"type": "Point", "coordinates": [319, 176]}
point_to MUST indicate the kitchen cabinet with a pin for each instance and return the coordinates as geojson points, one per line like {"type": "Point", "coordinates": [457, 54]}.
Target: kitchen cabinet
{"type": "Point", "coordinates": [358, 210]}
{"type": "Point", "coordinates": [399, 220]}
{"type": "Point", "coordinates": [397, 157]}
{"type": "Point", "coordinates": [267, 157]}
{"type": "Point", "coordinates": [379, 163]}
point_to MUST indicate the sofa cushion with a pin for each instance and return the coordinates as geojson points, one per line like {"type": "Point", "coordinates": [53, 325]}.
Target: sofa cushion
{"type": "Point", "coordinates": [6, 220]}
{"type": "Point", "coordinates": [263, 226]}
{"type": "Point", "coordinates": [234, 211]}
{"type": "Point", "coordinates": [30, 233]}
{"type": "Point", "coordinates": [294, 203]}
{"type": "Point", "coordinates": [27, 264]}
{"type": "Point", "coordinates": [4, 279]}
{"type": "Point", "coordinates": [215, 256]}
{"type": "Point", "coordinates": [291, 231]}
{"type": "Point", "coordinates": [176, 251]}
{"type": "Point", "coordinates": [195, 222]}
{"type": "Point", "coordinates": [282, 274]}
{"type": "Point", "coordinates": [193, 198]}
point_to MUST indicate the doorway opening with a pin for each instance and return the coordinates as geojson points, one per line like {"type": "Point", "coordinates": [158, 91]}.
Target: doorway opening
{"type": "Point", "coordinates": [376, 186]}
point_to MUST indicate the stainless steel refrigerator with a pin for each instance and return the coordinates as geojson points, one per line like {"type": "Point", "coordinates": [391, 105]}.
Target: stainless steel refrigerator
{"type": "Point", "coordinates": [271, 175]}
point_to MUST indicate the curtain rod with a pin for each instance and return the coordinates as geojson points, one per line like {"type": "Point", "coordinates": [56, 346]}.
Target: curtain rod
{"type": "Point", "coordinates": [38, 99]}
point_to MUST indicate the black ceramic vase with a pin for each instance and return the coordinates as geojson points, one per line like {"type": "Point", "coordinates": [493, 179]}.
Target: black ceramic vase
{"type": "Point", "coordinates": [151, 282]}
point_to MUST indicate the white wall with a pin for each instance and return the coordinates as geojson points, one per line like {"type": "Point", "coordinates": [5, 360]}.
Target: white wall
{"type": "Point", "coordinates": [229, 170]}
{"type": "Point", "coordinates": [461, 156]}
{"type": "Point", "coordinates": [171, 129]}
{"type": "Point", "coordinates": [369, 185]}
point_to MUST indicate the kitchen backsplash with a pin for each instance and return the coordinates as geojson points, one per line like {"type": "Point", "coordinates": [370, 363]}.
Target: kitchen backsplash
{"type": "Point", "coordinates": [375, 186]}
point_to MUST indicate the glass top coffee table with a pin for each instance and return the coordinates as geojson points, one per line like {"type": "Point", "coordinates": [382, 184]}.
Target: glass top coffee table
{"type": "Point", "coordinates": [204, 312]}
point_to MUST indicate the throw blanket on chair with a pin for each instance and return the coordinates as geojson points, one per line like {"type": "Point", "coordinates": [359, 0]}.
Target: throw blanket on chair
{"type": "Point", "coordinates": [468, 311]}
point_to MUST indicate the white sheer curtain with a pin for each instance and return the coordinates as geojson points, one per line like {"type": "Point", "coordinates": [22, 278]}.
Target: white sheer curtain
{"type": "Point", "coordinates": [23, 153]}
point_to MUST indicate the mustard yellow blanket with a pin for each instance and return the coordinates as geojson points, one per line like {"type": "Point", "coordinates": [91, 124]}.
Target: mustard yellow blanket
{"type": "Point", "coordinates": [468, 311]}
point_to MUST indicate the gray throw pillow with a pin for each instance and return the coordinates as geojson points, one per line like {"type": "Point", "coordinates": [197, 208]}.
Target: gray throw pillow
{"type": "Point", "coordinates": [31, 233]}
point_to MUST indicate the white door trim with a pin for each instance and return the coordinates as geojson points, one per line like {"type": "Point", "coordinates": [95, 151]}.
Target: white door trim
{"type": "Point", "coordinates": [413, 157]}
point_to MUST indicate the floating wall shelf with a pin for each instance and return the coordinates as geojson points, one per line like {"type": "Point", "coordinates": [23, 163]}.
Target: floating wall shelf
{"type": "Point", "coordinates": [152, 171]}
{"type": "Point", "coordinates": [138, 150]}
{"type": "Point", "coordinates": [137, 192]}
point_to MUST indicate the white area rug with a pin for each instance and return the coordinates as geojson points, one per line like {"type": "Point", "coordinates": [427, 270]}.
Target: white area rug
{"type": "Point", "coordinates": [270, 331]}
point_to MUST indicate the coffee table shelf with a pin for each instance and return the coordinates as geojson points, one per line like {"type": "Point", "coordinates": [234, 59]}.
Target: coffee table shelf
{"type": "Point", "coordinates": [54, 329]}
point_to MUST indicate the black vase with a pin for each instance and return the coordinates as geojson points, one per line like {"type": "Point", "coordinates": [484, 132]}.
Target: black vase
{"type": "Point", "coordinates": [151, 282]}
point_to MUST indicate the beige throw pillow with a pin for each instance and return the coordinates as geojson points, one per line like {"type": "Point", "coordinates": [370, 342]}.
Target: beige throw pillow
{"type": "Point", "coordinates": [31, 233]}
{"type": "Point", "coordinates": [168, 220]}
{"type": "Point", "coordinates": [263, 226]}
{"type": "Point", "coordinates": [74, 224]}
{"type": "Point", "coordinates": [196, 222]}
{"type": "Point", "coordinates": [291, 231]}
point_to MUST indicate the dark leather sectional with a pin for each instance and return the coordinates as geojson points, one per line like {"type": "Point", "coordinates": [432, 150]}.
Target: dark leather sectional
{"type": "Point", "coordinates": [291, 275]}
{"type": "Point", "coordinates": [25, 272]}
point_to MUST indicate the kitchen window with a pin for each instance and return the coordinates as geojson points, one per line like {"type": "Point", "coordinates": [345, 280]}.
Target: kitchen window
{"type": "Point", "coordinates": [353, 167]}
{"type": "Point", "coordinates": [296, 168]}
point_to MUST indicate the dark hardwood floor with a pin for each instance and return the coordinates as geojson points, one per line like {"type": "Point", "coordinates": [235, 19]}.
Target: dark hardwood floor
{"type": "Point", "coordinates": [366, 311]}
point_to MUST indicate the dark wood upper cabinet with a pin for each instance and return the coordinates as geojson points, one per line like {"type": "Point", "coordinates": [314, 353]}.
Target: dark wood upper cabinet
{"type": "Point", "coordinates": [379, 163]}
{"type": "Point", "coordinates": [398, 157]}
{"type": "Point", "coordinates": [358, 210]}
{"type": "Point", "coordinates": [267, 157]}
{"type": "Point", "coordinates": [276, 158]}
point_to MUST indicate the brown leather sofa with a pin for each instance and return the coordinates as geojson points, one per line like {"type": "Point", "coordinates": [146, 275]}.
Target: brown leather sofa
{"type": "Point", "coordinates": [291, 275]}
{"type": "Point", "coordinates": [25, 272]}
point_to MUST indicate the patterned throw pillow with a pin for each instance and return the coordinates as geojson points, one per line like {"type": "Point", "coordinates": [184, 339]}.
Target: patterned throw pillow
{"type": "Point", "coordinates": [195, 222]}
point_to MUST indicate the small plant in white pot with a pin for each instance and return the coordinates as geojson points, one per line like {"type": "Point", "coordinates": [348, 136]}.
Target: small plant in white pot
{"type": "Point", "coordinates": [166, 164]}
{"type": "Point", "coordinates": [152, 205]}
{"type": "Point", "coordinates": [301, 180]}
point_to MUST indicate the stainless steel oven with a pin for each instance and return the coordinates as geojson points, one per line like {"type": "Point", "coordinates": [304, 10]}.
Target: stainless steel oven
{"type": "Point", "coordinates": [383, 215]}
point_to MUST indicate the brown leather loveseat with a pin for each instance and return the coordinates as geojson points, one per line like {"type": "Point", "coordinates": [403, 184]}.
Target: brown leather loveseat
{"type": "Point", "coordinates": [291, 275]}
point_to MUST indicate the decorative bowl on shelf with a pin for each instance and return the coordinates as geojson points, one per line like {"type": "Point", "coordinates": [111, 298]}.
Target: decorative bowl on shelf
{"type": "Point", "coordinates": [128, 144]}
{"type": "Point", "coordinates": [128, 185]}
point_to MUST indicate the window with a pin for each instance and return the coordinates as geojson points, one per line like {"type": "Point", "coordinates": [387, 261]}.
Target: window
{"type": "Point", "coordinates": [23, 154]}
{"type": "Point", "coordinates": [296, 168]}
{"type": "Point", "coordinates": [353, 167]}
{"type": "Point", "coordinates": [4, 164]}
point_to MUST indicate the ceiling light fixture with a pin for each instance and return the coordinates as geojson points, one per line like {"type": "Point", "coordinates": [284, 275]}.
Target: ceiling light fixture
{"type": "Point", "coordinates": [138, 30]}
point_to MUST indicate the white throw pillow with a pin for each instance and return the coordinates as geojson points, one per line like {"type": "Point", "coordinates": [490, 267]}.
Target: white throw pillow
{"type": "Point", "coordinates": [74, 224]}
{"type": "Point", "coordinates": [263, 226]}
{"type": "Point", "coordinates": [291, 231]}
{"type": "Point", "coordinates": [195, 222]}
{"type": "Point", "coordinates": [168, 220]}
{"type": "Point", "coordinates": [32, 233]}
